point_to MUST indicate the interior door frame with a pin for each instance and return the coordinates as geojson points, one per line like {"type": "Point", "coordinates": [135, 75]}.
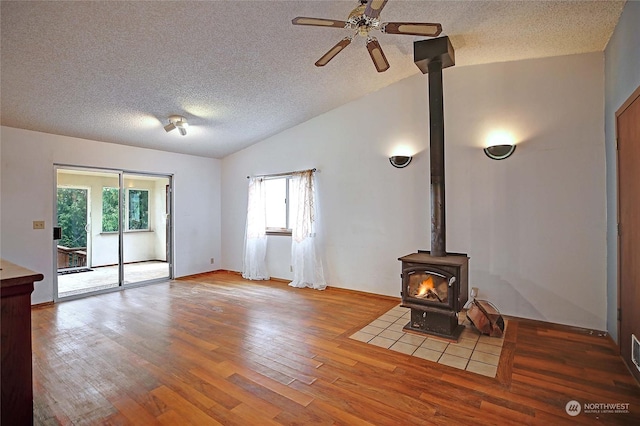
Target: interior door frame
{"type": "Point", "coordinates": [635, 96]}
{"type": "Point", "coordinates": [121, 212]}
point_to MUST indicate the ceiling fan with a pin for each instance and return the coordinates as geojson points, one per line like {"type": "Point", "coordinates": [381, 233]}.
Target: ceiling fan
{"type": "Point", "coordinates": [363, 19]}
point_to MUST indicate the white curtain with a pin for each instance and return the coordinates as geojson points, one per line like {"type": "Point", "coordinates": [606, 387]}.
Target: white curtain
{"type": "Point", "coordinates": [307, 268]}
{"type": "Point", "coordinates": [254, 265]}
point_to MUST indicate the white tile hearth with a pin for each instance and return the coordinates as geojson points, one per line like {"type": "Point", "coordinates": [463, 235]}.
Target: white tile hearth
{"type": "Point", "coordinates": [473, 352]}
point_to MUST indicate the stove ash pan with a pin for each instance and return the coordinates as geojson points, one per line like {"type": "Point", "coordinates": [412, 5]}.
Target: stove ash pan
{"type": "Point", "coordinates": [434, 283]}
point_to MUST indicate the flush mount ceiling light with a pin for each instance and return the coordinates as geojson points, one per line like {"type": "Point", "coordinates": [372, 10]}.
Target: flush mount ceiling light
{"type": "Point", "coordinates": [179, 122]}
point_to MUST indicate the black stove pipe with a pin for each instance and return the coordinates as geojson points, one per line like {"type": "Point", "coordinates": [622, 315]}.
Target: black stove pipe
{"type": "Point", "coordinates": [431, 56]}
{"type": "Point", "coordinates": [436, 151]}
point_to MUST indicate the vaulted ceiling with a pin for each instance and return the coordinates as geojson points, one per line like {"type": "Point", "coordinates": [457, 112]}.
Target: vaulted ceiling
{"type": "Point", "coordinates": [239, 71]}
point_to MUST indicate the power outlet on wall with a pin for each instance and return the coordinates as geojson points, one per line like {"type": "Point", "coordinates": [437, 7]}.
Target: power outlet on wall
{"type": "Point", "coordinates": [212, 261]}
{"type": "Point", "coordinates": [474, 292]}
{"type": "Point", "coordinates": [290, 268]}
{"type": "Point", "coordinates": [38, 224]}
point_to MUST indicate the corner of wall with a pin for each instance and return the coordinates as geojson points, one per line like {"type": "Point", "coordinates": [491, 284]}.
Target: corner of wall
{"type": "Point", "coordinates": [622, 61]}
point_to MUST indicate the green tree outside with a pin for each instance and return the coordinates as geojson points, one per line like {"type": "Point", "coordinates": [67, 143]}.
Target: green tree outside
{"type": "Point", "coordinates": [138, 209]}
{"type": "Point", "coordinates": [110, 209]}
{"type": "Point", "coordinates": [72, 216]}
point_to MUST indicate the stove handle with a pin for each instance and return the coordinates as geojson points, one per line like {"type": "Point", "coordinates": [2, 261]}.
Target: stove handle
{"type": "Point", "coordinates": [451, 281]}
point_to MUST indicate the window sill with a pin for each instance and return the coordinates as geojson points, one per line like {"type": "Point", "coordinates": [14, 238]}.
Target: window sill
{"type": "Point", "coordinates": [128, 231]}
{"type": "Point", "coordinates": [285, 232]}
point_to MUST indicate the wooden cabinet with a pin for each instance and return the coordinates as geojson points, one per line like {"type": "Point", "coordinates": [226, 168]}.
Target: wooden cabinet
{"type": "Point", "coordinates": [16, 378]}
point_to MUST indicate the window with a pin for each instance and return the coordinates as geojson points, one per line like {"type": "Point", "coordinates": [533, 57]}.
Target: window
{"type": "Point", "coordinates": [138, 208]}
{"type": "Point", "coordinates": [278, 206]}
{"type": "Point", "coordinates": [109, 209]}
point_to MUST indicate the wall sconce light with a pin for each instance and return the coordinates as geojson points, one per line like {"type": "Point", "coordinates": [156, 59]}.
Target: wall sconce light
{"type": "Point", "coordinates": [400, 161]}
{"type": "Point", "coordinates": [499, 152]}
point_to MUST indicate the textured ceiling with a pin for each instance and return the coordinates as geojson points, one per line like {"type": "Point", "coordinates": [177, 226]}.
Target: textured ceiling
{"type": "Point", "coordinates": [238, 70]}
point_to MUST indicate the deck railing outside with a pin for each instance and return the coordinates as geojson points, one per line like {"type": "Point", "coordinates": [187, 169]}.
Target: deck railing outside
{"type": "Point", "coordinates": [71, 257]}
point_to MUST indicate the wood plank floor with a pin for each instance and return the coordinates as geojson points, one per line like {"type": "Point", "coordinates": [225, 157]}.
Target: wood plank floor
{"type": "Point", "coordinates": [216, 349]}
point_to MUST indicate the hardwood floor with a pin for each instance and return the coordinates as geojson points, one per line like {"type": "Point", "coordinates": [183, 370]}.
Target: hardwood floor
{"type": "Point", "coordinates": [216, 349]}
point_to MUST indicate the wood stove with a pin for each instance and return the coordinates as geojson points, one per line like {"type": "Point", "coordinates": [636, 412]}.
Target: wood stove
{"type": "Point", "coordinates": [435, 288]}
{"type": "Point", "coordinates": [435, 283]}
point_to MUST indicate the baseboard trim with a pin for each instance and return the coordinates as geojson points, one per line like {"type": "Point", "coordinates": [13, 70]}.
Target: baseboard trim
{"type": "Point", "coordinates": [575, 328]}
{"type": "Point", "coordinates": [379, 296]}
{"type": "Point", "coordinates": [42, 305]}
{"type": "Point", "coordinates": [226, 271]}
{"type": "Point", "coordinates": [614, 344]}
{"type": "Point", "coordinates": [286, 281]}
{"type": "Point", "coordinates": [216, 271]}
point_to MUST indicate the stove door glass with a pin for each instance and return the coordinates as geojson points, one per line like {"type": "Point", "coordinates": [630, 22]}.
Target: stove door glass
{"type": "Point", "coordinates": [429, 286]}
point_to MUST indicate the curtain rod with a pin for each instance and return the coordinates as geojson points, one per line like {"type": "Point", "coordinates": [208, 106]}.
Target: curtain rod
{"type": "Point", "coordinates": [282, 174]}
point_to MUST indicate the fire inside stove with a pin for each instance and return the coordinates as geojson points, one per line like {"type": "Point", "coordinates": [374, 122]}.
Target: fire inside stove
{"type": "Point", "coordinates": [432, 288]}
{"type": "Point", "coordinates": [429, 287]}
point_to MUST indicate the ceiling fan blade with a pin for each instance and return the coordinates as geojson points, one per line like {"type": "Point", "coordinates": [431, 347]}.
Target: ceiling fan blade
{"type": "Point", "coordinates": [377, 55]}
{"type": "Point", "coordinates": [333, 52]}
{"type": "Point", "coordinates": [318, 22]}
{"type": "Point", "coordinates": [374, 7]}
{"type": "Point", "coordinates": [412, 28]}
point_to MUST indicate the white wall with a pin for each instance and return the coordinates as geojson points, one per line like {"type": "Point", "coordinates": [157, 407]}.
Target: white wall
{"type": "Point", "coordinates": [622, 77]}
{"type": "Point", "coordinates": [28, 177]}
{"type": "Point", "coordinates": [533, 225]}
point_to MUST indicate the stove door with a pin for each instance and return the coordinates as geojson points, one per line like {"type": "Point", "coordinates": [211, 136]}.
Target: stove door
{"type": "Point", "coordinates": [428, 285]}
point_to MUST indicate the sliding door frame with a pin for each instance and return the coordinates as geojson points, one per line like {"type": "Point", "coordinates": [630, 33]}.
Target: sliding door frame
{"type": "Point", "coordinates": [121, 228]}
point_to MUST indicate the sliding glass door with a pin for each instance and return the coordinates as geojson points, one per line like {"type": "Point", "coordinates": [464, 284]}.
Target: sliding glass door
{"type": "Point", "coordinates": [146, 219]}
{"type": "Point", "coordinates": [87, 253]}
{"type": "Point", "coordinates": [116, 229]}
